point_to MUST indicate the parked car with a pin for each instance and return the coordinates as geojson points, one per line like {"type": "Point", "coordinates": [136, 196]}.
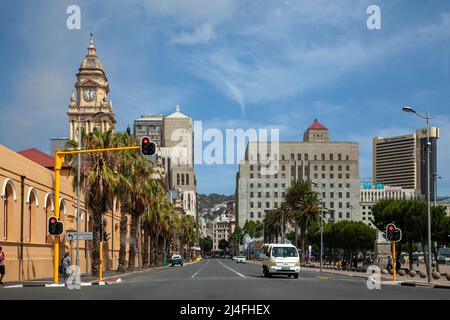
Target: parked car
{"type": "Point", "coordinates": [281, 259]}
{"type": "Point", "coordinates": [235, 257]}
{"type": "Point", "coordinates": [176, 260]}
{"type": "Point", "coordinates": [240, 259]}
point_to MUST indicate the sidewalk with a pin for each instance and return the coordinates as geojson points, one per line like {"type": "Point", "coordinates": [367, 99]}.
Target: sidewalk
{"type": "Point", "coordinates": [386, 278]}
{"type": "Point", "coordinates": [109, 277]}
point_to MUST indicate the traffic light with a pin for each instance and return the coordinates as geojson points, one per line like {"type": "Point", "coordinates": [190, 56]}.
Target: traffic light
{"type": "Point", "coordinates": [148, 147]}
{"type": "Point", "coordinates": [55, 227]}
{"type": "Point", "coordinates": [393, 234]}
{"type": "Point", "coordinates": [106, 236]}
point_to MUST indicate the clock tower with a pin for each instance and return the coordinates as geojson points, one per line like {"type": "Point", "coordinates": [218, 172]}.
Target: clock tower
{"type": "Point", "coordinates": [89, 105]}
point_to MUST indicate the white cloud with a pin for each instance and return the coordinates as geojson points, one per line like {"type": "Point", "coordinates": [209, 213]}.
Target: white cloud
{"type": "Point", "coordinates": [201, 35]}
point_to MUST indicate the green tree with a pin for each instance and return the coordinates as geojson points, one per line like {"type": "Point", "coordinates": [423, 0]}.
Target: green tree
{"type": "Point", "coordinates": [223, 245]}
{"type": "Point", "coordinates": [206, 244]}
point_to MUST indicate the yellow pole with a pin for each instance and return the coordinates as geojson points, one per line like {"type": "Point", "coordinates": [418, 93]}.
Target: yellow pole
{"type": "Point", "coordinates": [394, 262]}
{"type": "Point", "coordinates": [58, 163]}
{"type": "Point", "coordinates": [101, 262]}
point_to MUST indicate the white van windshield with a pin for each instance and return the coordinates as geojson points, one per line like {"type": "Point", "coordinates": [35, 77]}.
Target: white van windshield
{"type": "Point", "coordinates": [284, 252]}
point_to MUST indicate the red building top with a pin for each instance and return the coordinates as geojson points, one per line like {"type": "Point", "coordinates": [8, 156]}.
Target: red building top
{"type": "Point", "coordinates": [317, 126]}
{"type": "Point", "coordinates": [40, 158]}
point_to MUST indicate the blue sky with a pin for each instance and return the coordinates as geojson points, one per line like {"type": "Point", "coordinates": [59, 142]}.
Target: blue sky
{"type": "Point", "coordinates": [233, 64]}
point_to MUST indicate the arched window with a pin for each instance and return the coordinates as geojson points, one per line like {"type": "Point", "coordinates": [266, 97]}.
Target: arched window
{"type": "Point", "coordinates": [5, 214]}
{"type": "Point", "coordinates": [32, 203]}
{"type": "Point", "coordinates": [48, 208]}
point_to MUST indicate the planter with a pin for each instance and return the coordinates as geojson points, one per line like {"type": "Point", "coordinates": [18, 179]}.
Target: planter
{"type": "Point", "coordinates": [412, 273]}
{"type": "Point", "coordinates": [423, 274]}
{"type": "Point", "coordinates": [436, 275]}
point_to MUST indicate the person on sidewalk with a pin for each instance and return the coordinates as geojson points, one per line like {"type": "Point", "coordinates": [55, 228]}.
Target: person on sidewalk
{"type": "Point", "coordinates": [66, 265]}
{"type": "Point", "coordinates": [2, 265]}
{"type": "Point", "coordinates": [389, 264]}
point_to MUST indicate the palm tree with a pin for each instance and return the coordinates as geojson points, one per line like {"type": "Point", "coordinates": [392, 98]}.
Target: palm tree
{"type": "Point", "coordinates": [100, 183]}
{"type": "Point", "coordinates": [294, 200]}
{"type": "Point", "coordinates": [309, 214]}
{"type": "Point", "coordinates": [141, 173]}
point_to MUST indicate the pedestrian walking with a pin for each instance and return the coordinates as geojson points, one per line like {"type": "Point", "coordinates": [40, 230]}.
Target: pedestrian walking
{"type": "Point", "coordinates": [66, 265]}
{"type": "Point", "coordinates": [2, 265]}
{"type": "Point", "coordinates": [389, 264]}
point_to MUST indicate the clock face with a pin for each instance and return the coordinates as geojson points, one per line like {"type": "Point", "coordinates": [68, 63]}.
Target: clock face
{"type": "Point", "coordinates": [89, 94]}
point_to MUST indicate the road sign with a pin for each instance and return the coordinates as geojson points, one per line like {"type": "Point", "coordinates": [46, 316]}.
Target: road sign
{"type": "Point", "coordinates": [81, 236]}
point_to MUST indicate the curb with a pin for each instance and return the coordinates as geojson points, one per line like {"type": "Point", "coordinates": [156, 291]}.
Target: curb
{"type": "Point", "coordinates": [424, 285]}
{"type": "Point", "coordinates": [107, 281]}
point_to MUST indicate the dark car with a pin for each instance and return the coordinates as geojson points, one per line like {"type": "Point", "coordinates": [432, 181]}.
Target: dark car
{"type": "Point", "coordinates": [176, 259]}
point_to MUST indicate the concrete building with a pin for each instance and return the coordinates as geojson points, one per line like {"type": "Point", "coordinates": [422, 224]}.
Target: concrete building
{"type": "Point", "coordinates": [89, 104]}
{"type": "Point", "coordinates": [221, 230]}
{"type": "Point", "coordinates": [174, 136]}
{"type": "Point", "coordinates": [372, 193]}
{"type": "Point", "coordinates": [444, 201]}
{"type": "Point", "coordinates": [151, 126]}
{"type": "Point", "coordinates": [401, 161]}
{"type": "Point", "coordinates": [333, 166]}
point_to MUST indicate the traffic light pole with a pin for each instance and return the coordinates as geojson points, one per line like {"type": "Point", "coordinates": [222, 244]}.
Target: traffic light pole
{"type": "Point", "coordinates": [58, 165]}
{"type": "Point", "coordinates": [394, 262]}
{"type": "Point", "coordinates": [59, 159]}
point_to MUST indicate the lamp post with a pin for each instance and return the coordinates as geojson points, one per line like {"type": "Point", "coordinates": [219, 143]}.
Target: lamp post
{"type": "Point", "coordinates": [427, 119]}
{"type": "Point", "coordinates": [322, 208]}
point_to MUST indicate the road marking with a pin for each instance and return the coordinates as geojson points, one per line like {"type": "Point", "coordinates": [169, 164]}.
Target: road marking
{"type": "Point", "coordinates": [231, 269]}
{"type": "Point", "coordinates": [200, 269]}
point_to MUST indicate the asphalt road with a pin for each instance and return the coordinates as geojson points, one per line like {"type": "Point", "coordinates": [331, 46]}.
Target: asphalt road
{"type": "Point", "coordinates": [218, 279]}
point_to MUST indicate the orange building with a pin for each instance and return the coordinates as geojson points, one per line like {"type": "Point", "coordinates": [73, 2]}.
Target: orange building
{"type": "Point", "coordinates": [26, 202]}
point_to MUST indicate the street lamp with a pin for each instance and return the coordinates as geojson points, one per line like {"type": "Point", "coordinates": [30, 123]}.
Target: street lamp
{"type": "Point", "coordinates": [427, 119]}
{"type": "Point", "coordinates": [322, 208]}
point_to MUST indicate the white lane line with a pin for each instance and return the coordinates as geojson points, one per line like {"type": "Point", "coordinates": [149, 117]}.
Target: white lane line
{"type": "Point", "coordinates": [200, 269]}
{"type": "Point", "coordinates": [231, 269]}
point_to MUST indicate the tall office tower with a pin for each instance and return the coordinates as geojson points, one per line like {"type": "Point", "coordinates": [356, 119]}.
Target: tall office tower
{"type": "Point", "coordinates": [402, 160]}
{"type": "Point", "coordinates": [174, 136]}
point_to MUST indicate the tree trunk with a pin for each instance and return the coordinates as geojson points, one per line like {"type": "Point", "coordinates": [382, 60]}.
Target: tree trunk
{"type": "Point", "coordinates": [123, 240]}
{"type": "Point", "coordinates": [435, 252]}
{"type": "Point", "coordinates": [410, 253]}
{"type": "Point", "coordinates": [95, 263]}
{"type": "Point", "coordinates": [152, 248]}
{"type": "Point", "coordinates": [296, 234]}
{"type": "Point", "coordinates": [302, 243]}
{"type": "Point", "coordinates": [425, 257]}
{"type": "Point", "coordinates": [133, 241]}
{"type": "Point", "coordinates": [145, 249]}
{"type": "Point", "coordinates": [156, 249]}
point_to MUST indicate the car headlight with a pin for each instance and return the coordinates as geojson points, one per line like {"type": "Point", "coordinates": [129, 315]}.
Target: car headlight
{"type": "Point", "coordinates": [273, 263]}
{"type": "Point", "coordinates": [297, 264]}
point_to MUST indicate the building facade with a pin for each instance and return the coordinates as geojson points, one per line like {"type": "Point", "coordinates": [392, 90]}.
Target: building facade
{"type": "Point", "coordinates": [89, 105]}
{"type": "Point", "coordinates": [174, 136]}
{"type": "Point", "coordinates": [332, 166]}
{"type": "Point", "coordinates": [401, 160]}
{"type": "Point", "coordinates": [151, 126]}
{"type": "Point", "coordinates": [372, 193]}
{"type": "Point", "coordinates": [221, 230]}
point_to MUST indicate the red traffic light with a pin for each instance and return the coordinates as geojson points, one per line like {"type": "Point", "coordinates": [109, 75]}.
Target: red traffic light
{"type": "Point", "coordinates": [52, 220]}
{"type": "Point", "coordinates": [391, 228]}
{"type": "Point", "coordinates": [148, 147]}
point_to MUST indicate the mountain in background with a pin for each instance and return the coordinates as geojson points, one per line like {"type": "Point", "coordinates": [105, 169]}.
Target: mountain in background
{"type": "Point", "coordinates": [209, 201]}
